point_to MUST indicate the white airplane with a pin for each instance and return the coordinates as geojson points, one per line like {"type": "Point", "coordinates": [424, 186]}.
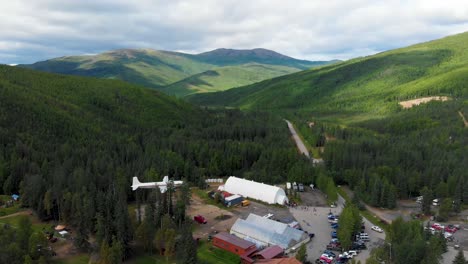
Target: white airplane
{"type": "Point", "coordinates": [151, 185]}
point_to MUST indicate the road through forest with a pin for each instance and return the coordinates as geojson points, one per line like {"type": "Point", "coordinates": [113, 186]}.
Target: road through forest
{"type": "Point", "coordinates": [316, 247]}
{"type": "Point", "coordinates": [300, 145]}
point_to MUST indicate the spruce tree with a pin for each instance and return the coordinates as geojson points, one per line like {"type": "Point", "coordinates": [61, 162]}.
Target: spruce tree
{"type": "Point", "coordinates": [460, 258]}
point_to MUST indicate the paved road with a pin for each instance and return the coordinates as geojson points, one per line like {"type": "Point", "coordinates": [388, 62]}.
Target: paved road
{"type": "Point", "coordinates": [300, 145]}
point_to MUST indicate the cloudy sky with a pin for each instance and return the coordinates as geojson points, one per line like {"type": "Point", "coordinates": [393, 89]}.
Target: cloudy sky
{"type": "Point", "coordinates": [32, 30]}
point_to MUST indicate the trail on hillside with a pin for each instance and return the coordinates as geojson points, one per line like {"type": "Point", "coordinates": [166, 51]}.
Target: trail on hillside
{"type": "Point", "coordinates": [26, 212]}
{"type": "Point", "coordinates": [463, 117]}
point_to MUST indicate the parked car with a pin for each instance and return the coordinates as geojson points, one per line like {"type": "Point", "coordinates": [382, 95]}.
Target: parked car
{"type": "Point", "coordinates": [301, 187]}
{"type": "Point", "coordinates": [326, 259]}
{"type": "Point", "coordinates": [358, 246]}
{"type": "Point", "coordinates": [335, 226]}
{"type": "Point", "coordinates": [327, 256]}
{"type": "Point", "coordinates": [353, 252]}
{"type": "Point", "coordinates": [451, 229]}
{"type": "Point", "coordinates": [200, 219]}
{"type": "Point", "coordinates": [333, 234]}
{"type": "Point", "coordinates": [345, 255]}
{"type": "Point", "coordinates": [330, 253]}
{"type": "Point", "coordinates": [377, 229]}
{"type": "Point", "coordinates": [437, 226]}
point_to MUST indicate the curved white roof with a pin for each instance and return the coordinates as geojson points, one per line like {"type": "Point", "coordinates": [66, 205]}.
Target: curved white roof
{"type": "Point", "coordinates": [255, 190]}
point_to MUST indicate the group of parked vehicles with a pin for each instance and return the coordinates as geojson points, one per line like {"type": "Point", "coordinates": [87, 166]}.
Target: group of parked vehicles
{"type": "Point", "coordinates": [329, 256]}
{"type": "Point", "coordinates": [229, 199]}
{"type": "Point", "coordinates": [447, 231]}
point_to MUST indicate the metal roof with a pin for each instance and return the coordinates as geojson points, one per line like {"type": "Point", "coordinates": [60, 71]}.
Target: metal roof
{"type": "Point", "coordinates": [266, 232]}
{"type": "Point", "coordinates": [270, 252]}
{"type": "Point", "coordinates": [239, 242]}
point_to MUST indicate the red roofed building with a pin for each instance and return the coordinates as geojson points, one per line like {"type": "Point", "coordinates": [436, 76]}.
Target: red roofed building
{"type": "Point", "coordinates": [279, 261]}
{"type": "Point", "coordinates": [269, 253]}
{"type": "Point", "coordinates": [234, 244]}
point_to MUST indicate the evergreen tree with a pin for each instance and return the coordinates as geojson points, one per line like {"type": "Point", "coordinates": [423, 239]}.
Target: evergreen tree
{"type": "Point", "coordinates": [427, 200]}
{"type": "Point", "coordinates": [460, 258]}
{"type": "Point", "coordinates": [301, 254]}
{"type": "Point", "coordinates": [445, 209]}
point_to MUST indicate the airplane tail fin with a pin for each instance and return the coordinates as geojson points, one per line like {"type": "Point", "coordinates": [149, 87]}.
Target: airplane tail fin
{"type": "Point", "coordinates": [166, 179]}
{"type": "Point", "coordinates": [136, 183]}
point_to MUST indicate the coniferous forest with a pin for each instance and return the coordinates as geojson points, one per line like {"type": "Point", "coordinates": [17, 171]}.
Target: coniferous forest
{"type": "Point", "coordinates": [70, 145]}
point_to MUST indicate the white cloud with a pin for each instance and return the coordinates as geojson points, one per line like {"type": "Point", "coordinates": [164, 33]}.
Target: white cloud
{"type": "Point", "coordinates": [310, 29]}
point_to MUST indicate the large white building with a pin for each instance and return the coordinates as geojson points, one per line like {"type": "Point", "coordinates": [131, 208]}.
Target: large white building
{"type": "Point", "coordinates": [255, 190]}
{"type": "Point", "coordinates": [265, 232]}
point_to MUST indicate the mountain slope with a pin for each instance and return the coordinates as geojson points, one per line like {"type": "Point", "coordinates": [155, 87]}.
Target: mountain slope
{"type": "Point", "coordinates": [157, 69]}
{"type": "Point", "coordinates": [143, 66]}
{"type": "Point", "coordinates": [373, 84]}
{"type": "Point", "coordinates": [224, 78]}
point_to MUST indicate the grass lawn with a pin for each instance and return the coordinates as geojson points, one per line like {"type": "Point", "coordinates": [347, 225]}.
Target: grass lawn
{"type": "Point", "coordinates": [37, 226]}
{"type": "Point", "coordinates": [203, 194]}
{"type": "Point", "coordinates": [10, 210]}
{"type": "Point", "coordinates": [77, 259]}
{"type": "Point", "coordinates": [211, 255]}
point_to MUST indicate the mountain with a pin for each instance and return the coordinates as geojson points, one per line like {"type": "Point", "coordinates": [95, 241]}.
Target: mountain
{"type": "Point", "coordinates": [369, 85]}
{"type": "Point", "coordinates": [223, 57]}
{"type": "Point", "coordinates": [157, 69]}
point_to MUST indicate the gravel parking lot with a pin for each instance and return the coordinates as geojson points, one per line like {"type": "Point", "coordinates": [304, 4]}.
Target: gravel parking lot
{"type": "Point", "coordinates": [316, 222]}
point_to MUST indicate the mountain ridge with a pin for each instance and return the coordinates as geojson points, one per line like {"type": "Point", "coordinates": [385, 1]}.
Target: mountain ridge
{"type": "Point", "coordinates": [160, 68]}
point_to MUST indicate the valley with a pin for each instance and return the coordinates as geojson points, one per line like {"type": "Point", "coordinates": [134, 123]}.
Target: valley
{"type": "Point", "coordinates": [265, 158]}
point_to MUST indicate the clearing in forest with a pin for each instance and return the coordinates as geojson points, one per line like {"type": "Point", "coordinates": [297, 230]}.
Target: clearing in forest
{"type": "Point", "coordinates": [411, 103]}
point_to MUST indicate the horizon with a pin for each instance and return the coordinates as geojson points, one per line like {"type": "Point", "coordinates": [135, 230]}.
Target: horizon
{"type": "Point", "coordinates": [307, 30]}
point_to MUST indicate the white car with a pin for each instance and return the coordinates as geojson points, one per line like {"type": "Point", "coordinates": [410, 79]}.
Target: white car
{"type": "Point", "coordinates": [346, 255]}
{"type": "Point", "coordinates": [377, 229]}
{"type": "Point", "coordinates": [353, 252]}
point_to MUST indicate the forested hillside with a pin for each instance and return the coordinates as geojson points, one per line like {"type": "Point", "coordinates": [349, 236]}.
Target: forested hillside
{"type": "Point", "coordinates": [350, 114]}
{"type": "Point", "coordinates": [70, 145]}
{"type": "Point", "coordinates": [370, 85]}
{"type": "Point", "coordinates": [159, 69]}
{"type": "Point", "coordinates": [226, 77]}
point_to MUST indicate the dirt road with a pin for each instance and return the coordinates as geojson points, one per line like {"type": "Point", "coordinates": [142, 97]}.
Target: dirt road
{"type": "Point", "coordinates": [26, 212]}
{"type": "Point", "coordinates": [300, 145]}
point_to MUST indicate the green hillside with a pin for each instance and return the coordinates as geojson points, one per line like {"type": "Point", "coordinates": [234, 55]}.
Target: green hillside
{"type": "Point", "coordinates": [350, 115]}
{"type": "Point", "coordinates": [157, 69]}
{"type": "Point", "coordinates": [151, 68]}
{"type": "Point", "coordinates": [373, 84]}
{"type": "Point", "coordinates": [227, 77]}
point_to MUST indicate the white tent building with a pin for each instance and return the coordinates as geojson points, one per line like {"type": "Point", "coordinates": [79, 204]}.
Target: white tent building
{"type": "Point", "coordinates": [255, 190]}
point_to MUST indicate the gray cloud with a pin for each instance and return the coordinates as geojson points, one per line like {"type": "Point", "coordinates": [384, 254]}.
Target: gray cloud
{"type": "Point", "coordinates": [309, 29]}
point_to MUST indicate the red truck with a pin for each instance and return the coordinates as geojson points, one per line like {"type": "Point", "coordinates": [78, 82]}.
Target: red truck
{"type": "Point", "coordinates": [200, 219]}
